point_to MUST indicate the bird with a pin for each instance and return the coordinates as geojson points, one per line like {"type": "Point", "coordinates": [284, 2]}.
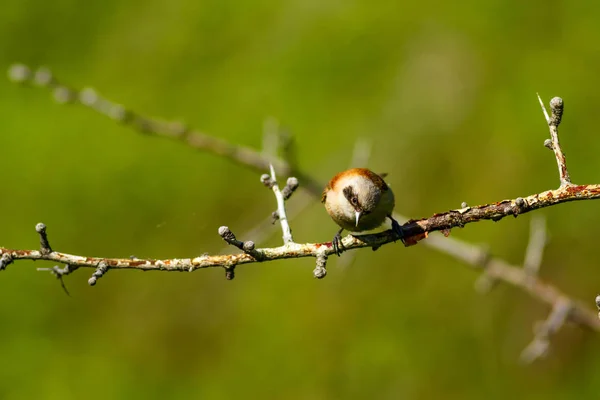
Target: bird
{"type": "Point", "coordinates": [358, 200]}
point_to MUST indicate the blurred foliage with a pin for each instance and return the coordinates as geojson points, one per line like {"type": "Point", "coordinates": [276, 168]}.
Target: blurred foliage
{"type": "Point", "coordinates": [445, 91]}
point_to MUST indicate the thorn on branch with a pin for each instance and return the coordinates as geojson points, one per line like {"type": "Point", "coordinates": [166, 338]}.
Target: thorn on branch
{"type": "Point", "coordinates": [99, 273]}
{"type": "Point", "coordinates": [45, 248]}
{"type": "Point", "coordinates": [247, 247]}
{"type": "Point", "coordinates": [59, 273]}
{"type": "Point", "coordinates": [5, 260]}
{"type": "Point", "coordinates": [320, 270]}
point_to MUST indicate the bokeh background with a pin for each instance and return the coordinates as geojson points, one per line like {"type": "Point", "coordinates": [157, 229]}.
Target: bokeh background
{"type": "Point", "coordinates": [445, 93]}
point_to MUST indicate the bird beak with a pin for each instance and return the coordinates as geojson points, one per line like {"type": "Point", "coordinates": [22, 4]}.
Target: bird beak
{"type": "Point", "coordinates": [357, 217]}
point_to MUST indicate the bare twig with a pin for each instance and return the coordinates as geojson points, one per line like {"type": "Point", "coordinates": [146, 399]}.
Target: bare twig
{"type": "Point", "coordinates": [513, 275]}
{"type": "Point", "coordinates": [556, 106]}
{"type": "Point", "coordinates": [271, 182]}
{"type": "Point", "coordinates": [44, 244]}
{"type": "Point", "coordinates": [544, 330]}
{"type": "Point", "coordinates": [59, 273]}
{"type": "Point", "coordinates": [247, 247]}
{"type": "Point", "coordinates": [535, 248]}
{"type": "Point", "coordinates": [171, 129]}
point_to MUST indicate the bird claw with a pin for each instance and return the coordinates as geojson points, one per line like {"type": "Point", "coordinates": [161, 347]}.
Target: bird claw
{"type": "Point", "coordinates": [397, 229]}
{"type": "Point", "coordinates": [338, 246]}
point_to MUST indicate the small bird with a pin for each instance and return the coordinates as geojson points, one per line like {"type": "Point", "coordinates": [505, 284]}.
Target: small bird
{"type": "Point", "coordinates": [358, 200]}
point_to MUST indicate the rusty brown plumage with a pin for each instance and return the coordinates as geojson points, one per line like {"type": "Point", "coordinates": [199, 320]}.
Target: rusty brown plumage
{"type": "Point", "coordinates": [377, 179]}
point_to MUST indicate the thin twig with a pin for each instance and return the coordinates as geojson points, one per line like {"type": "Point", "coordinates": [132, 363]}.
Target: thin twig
{"type": "Point", "coordinates": [285, 226]}
{"type": "Point", "coordinates": [151, 126]}
{"type": "Point", "coordinates": [514, 275]}
{"type": "Point", "coordinates": [556, 106]}
{"type": "Point", "coordinates": [535, 248]}
{"type": "Point", "coordinates": [544, 331]}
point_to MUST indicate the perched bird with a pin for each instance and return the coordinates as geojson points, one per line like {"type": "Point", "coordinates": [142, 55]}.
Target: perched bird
{"type": "Point", "coordinates": [358, 200]}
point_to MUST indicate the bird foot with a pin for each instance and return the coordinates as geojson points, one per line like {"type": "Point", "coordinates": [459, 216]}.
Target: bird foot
{"type": "Point", "coordinates": [397, 228]}
{"type": "Point", "coordinates": [338, 246]}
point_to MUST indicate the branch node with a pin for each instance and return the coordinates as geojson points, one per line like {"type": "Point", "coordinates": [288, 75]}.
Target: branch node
{"type": "Point", "coordinates": [45, 248]}
{"type": "Point", "coordinates": [19, 73]}
{"type": "Point", "coordinates": [271, 181]}
{"type": "Point", "coordinates": [548, 144]}
{"type": "Point", "coordinates": [247, 247]}
{"type": "Point", "coordinates": [291, 185]}
{"type": "Point", "coordinates": [464, 205]}
{"type": "Point", "coordinates": [230, 273]}
{"type": "Point", "coordinates": [99, 273]}
{"type": "Point", "coordinates": [557, 106]}
{"type": "Point", "coordinates": [274, 217]}
{"type": "Point", "coordinates": [229, 237]}
{"type": "Point", "coordinates": [63, 94]}
{"type": "Point", "coordinates": [267, 180]}
{"type": "Point", "coordinates": [88, 96]}
{"type": "Point", "coordinates": [320, 270]}
{"type": "Point", "coordinates": [5, 260]}
{"type": "Point", "coordinates": [118, 113]}
{"type": "Point", "coordinates": [43, 77]}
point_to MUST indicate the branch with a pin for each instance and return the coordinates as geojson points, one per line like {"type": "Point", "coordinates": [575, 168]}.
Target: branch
{"type": "Point", "coordinates": [416, 230]}
{"type": "Point", "coordinates": [535, 248]}
{"type": "Point", "coordinates": [556, 105]}
{"type": "Point", "coordinates": [292, 184]}
{"type": "Point", "coordinates": [544, 330]}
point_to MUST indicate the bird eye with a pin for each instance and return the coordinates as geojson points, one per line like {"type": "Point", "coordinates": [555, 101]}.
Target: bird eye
{"type": "Point", "coordinates": [354, 200]}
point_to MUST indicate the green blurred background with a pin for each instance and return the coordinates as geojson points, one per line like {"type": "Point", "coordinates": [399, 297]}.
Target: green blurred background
{"type": "Point", "coordinates": [445, 91]}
